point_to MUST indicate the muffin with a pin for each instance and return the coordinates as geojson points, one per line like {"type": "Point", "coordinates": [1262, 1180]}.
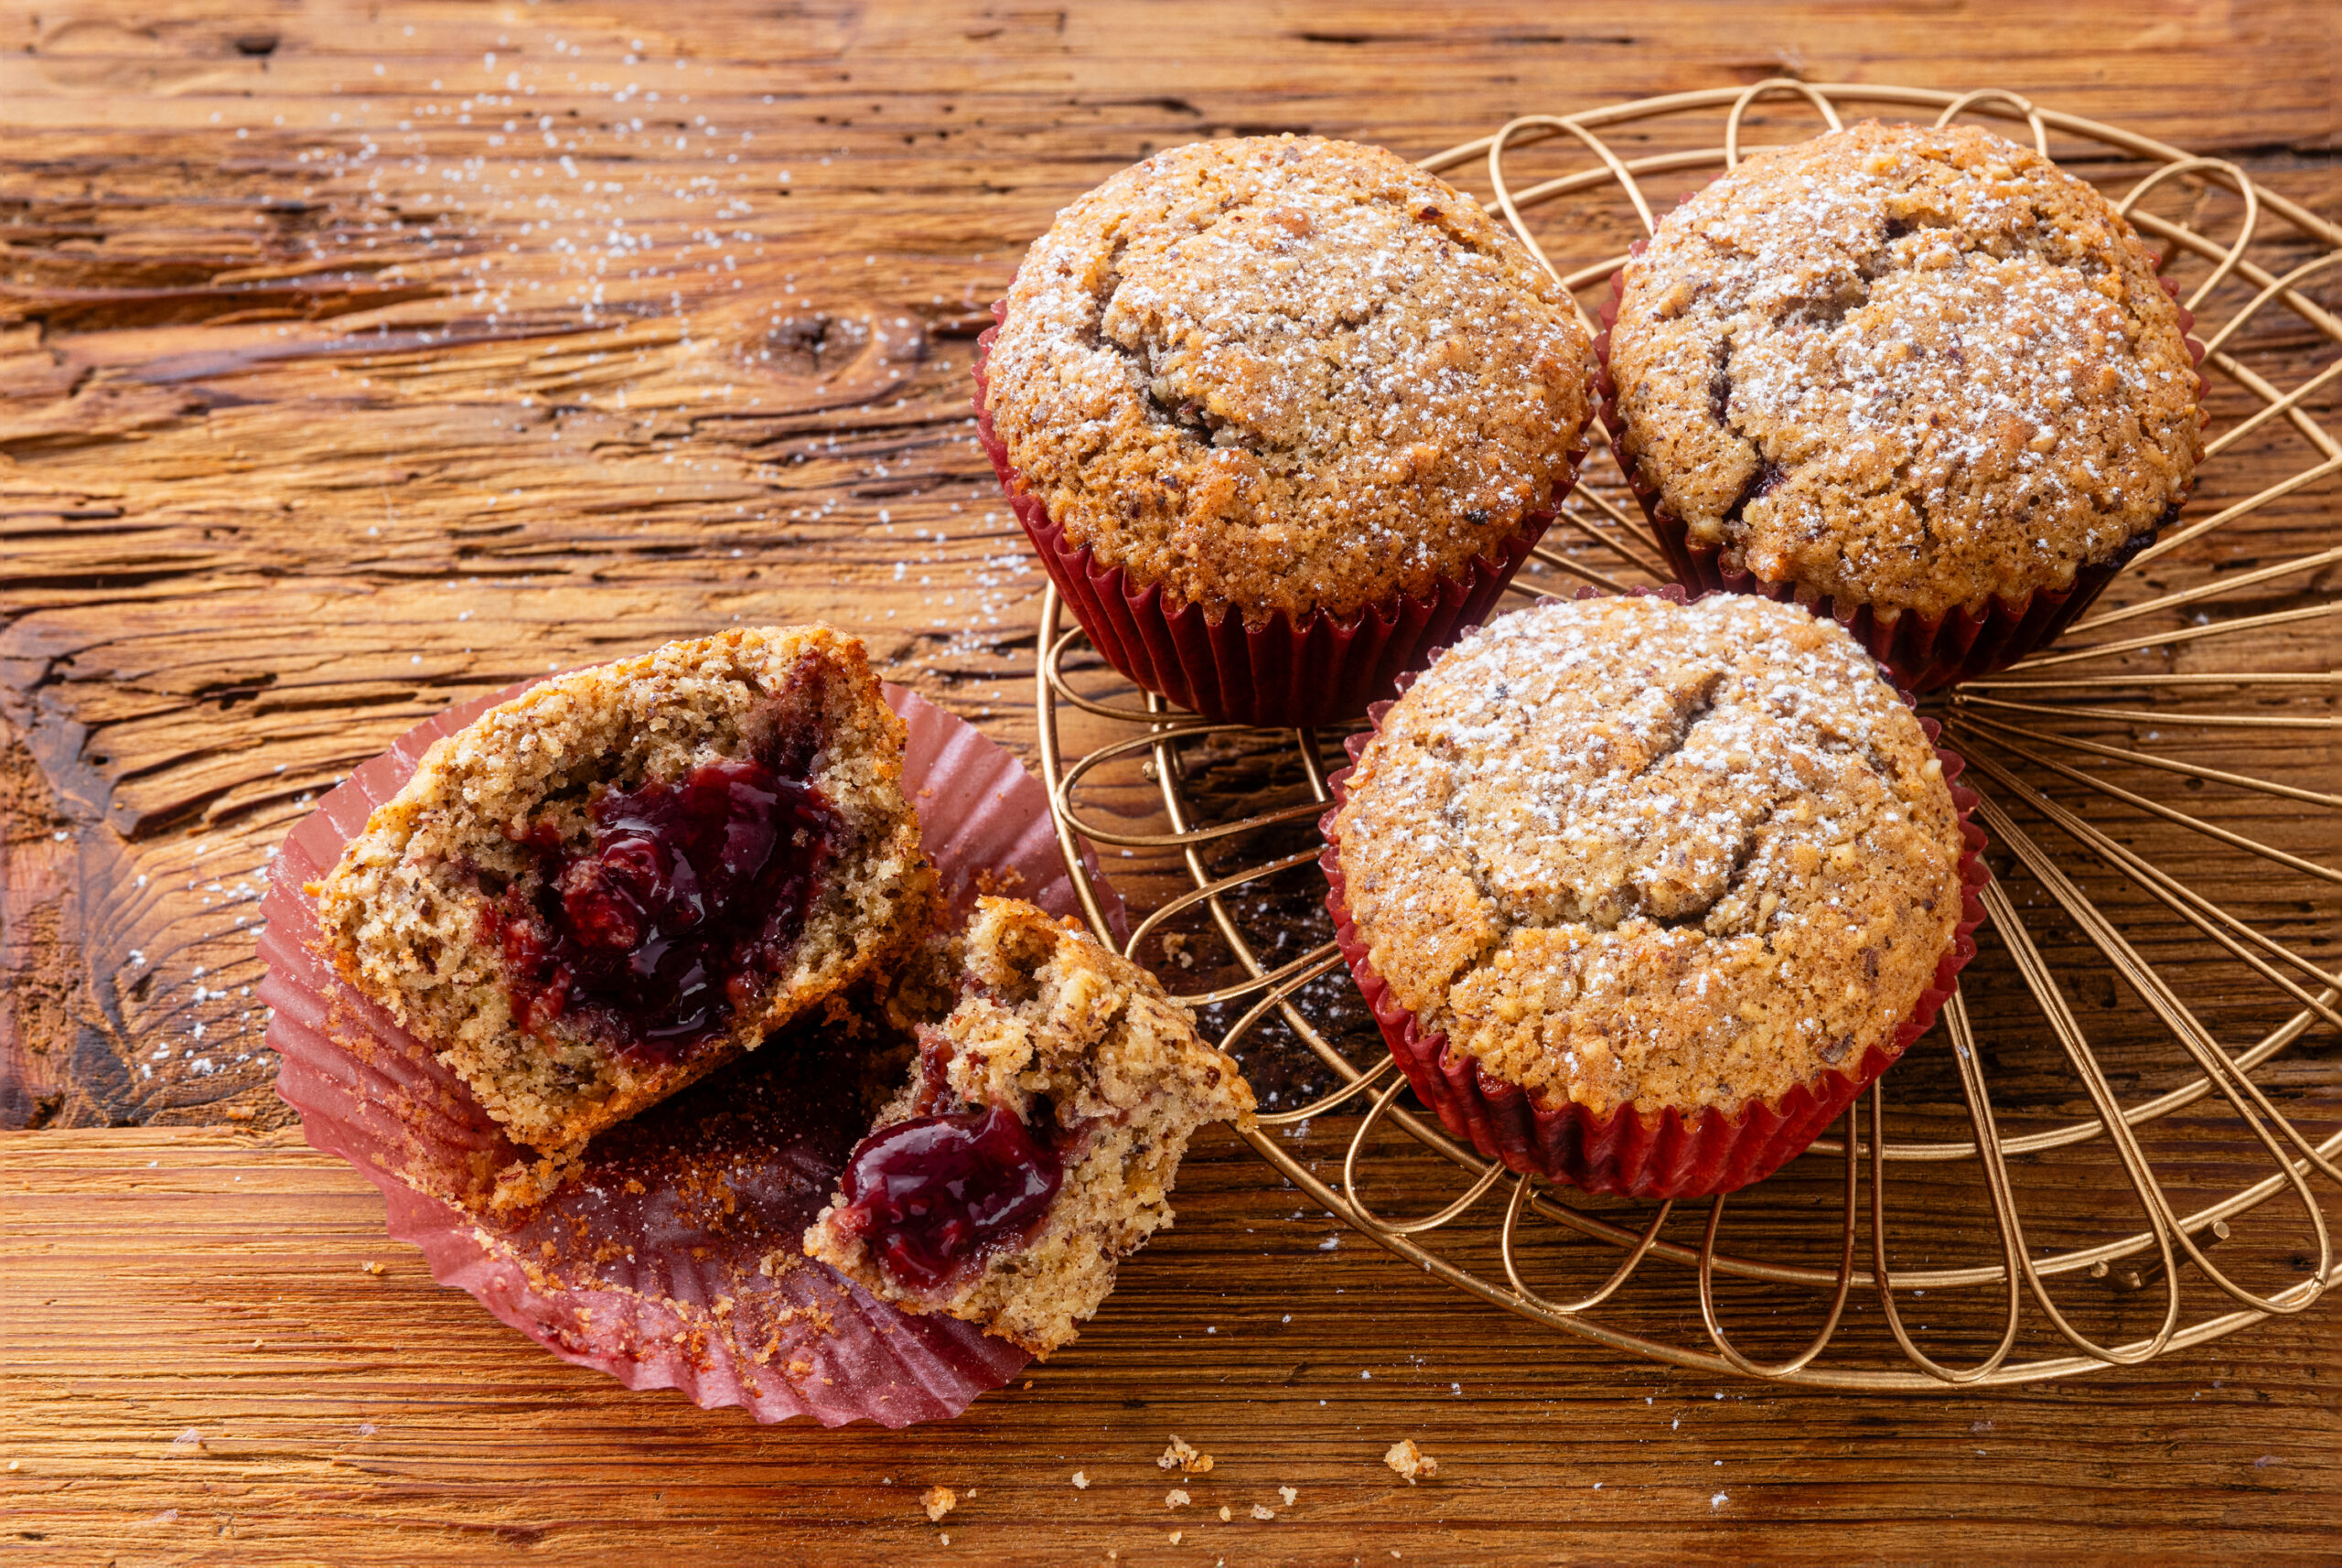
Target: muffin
{"type": "Point", "coordinates": [608, 887]}
{"type": "Point", "coordinates": [1038, 1136]}
{"type": "Point", "coordinates": [1922, 379]}
{"type": "Point", "coordinates": [1279, 413]}
{"type": "Point", "coordinates": [1644, 892]}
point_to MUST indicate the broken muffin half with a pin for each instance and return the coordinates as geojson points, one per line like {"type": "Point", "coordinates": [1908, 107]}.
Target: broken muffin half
{"type": "Point", "coordinates": [1037, 1140]}
{"type": "Point", "coordinates": [603, 890]}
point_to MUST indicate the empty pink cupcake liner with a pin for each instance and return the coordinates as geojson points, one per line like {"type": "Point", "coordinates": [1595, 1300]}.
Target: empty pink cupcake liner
{"type": "Point", "coordinates": [1922, 654]}
{"type": "Point", "coordinates": [1628, 1152]}
{"type": "Point", "coordinates": [1282, 673]}
{"type": "Point", "coordinates": [632, 1268]}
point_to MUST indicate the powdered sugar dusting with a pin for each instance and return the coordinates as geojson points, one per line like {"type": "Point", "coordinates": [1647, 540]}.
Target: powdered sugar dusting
{"type": "Point", "coordinates": [1627, 850]}
{"type": "Point", "coordinates": [1285, 373]}
{"type": "Point", "coordinates": [1907, 368]}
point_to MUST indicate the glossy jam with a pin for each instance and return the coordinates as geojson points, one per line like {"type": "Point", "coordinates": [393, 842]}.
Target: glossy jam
{"type": "Point", "coordinates": [929, 1195]}
{"type": "Point", "coordinates": [689, 897]}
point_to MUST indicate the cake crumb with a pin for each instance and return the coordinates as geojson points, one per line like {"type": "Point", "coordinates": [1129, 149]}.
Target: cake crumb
{"type": "Point", "coordinates": [1261, 1510]}
{"type": "Point", "coordinates": [1226, 1513]}
{"type": "Point", "coordinates": [939, 1500]}
{"type": "Point", "coordinates": [1177, 1535]}
{"type": "Point", "coordinates": [1184, 1458]}
{"type": "Point", "coordinates": [1177, 1497]}
{"type": "Point", "coordinates": [1288, 1494]}
{"type": "Point", "coordinates": [1406, 1459]}
{"type": "Point", "coordinates": [370, 1267]}
{"type": "Point", "coordinates": [1081, 1480]}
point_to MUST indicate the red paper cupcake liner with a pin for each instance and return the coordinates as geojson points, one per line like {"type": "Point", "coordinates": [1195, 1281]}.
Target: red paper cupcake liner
{"type": "Point", "coordinates": [1628, 1152]}
{"type": "Point", "coordinates": [674, 1260]}
{"type": "Point", "coordinates": [1922, 654]}
{"type": "Point", "coordinates": [1282, 673]}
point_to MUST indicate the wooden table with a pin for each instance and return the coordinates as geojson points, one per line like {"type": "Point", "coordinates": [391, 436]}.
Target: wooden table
{"type": "Point", "coordinates": [355, 359]}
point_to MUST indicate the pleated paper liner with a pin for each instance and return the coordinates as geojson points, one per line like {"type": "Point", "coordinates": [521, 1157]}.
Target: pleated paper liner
{"type": "Point", "coordinates": [674, 1260]}
{"type": "Point", "coordinates": [1283, 672]}
{"type": "Point", "coordinates": [1629, 1151]}
{"type": "Point", "coordinates": [1923, 654]}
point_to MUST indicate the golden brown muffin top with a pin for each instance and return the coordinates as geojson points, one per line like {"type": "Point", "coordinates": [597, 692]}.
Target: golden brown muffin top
{"type": "Point", "coordinates": [1282, 374]}
{"type": "Point", "coordinates": [1905, 367]}
{"type": "Point", "coordinates": [1623, 850]}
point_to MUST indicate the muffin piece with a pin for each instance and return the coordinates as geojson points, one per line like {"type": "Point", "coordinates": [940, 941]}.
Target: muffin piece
{"type": "Point", "coordinates": [1037, 1140]}
{"type": "Point", "coordinates": [1627, 853]}
{"type": "Point", "coordinates": [1916, 370]}
{"type": "Point", "coordinates": [605, 888]}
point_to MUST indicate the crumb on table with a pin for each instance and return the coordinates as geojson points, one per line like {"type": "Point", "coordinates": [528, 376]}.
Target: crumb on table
{"type": "Point", "coordinates": [1406, 1459]}
{"type": "Point", "coordinates": [1184, 1458]}
{"type": "Point", "coordinates": [939, 1500]}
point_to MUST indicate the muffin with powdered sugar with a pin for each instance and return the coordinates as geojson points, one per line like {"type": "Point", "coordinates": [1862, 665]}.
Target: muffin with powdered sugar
{"type": "Point", "coordinates": [1643, 892]}
{"type": "Point", "coordinates": [1280, 413]}
{"type": "Point", "coordinates": [1918, 378]}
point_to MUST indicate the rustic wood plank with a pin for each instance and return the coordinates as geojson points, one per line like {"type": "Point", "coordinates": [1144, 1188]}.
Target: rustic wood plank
{"type": "Point", "coordinates": [329, 398]}
{"type": "Point", "coordinates": [334, 394]}
{"type": "Point", "coordinates": [196, 1366]}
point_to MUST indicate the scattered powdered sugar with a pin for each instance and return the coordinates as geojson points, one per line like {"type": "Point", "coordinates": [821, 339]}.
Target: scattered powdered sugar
{"type": "Point", "coordinates": [1638, 851]}
{"type": "Point", "coordinates": [1908, 368]}
{"type": "Point", "coordinates": [1286, 373]}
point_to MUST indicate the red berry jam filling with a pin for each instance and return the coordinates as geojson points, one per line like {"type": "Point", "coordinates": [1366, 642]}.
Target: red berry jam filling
{"type": "Point", "coordinates": [933, 1193]}
{"type": "Point", "coordinates": [689, 897]}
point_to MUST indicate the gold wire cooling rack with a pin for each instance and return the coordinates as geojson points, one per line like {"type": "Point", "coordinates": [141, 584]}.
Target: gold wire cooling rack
{"type": "Point", "coordinates": [2099, 908]}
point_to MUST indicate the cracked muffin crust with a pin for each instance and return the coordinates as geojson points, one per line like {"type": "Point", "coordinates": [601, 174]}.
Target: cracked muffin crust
{"type": "Point", "coordinates": [1284, 374]}
{"type": "Point", "coordinates": [1628, 852]}
{"type": "Point", "coordinates": [1910, 367]}
{"type": "Point", "coordinates": [1037, 1140]}
{"type": "Point", "coordinates": [601, 891]}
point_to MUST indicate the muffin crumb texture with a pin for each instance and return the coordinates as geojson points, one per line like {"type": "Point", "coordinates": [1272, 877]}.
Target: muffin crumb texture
{"type": "Point", "coordinates": [1287, 374]}
{"type": "Point", "coordinates": [1625, 851]}
{"type": "Point", "coordinates": [1184, 1458]}
{"type": "Point", "coordinates": [1406, 1459]}
{"type": "Point", "coordinates": [1101, 1069]}
{"type": "Point", "coordinates": [502, 859]}
{"type": "Point", "coordinates": [1904, 367]}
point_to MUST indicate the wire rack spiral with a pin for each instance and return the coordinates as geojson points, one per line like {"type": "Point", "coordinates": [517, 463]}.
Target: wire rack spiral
{"type": "Point", "coordinates": [2088, 1237]}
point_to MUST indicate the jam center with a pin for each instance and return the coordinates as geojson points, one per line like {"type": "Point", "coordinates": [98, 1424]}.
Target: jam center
{"type": "Point", "coordinates": [931, 1193]}
{"type": "Point", "coordinates": [688, 897]}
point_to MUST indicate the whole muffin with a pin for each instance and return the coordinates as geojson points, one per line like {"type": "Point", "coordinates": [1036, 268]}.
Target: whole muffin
{"type": "Point", "coordinates": [1919, 373]}
{"type": "Point", "coordinates": [1639, 865]}
{"type": "Point", "coordinates": [1282, 379]}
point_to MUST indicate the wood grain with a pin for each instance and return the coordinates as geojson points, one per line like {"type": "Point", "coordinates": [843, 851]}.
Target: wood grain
{"type": "Point", "coordinates": [196, 1366]}
{"type": "Point", "coordinates": [360, 357]}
